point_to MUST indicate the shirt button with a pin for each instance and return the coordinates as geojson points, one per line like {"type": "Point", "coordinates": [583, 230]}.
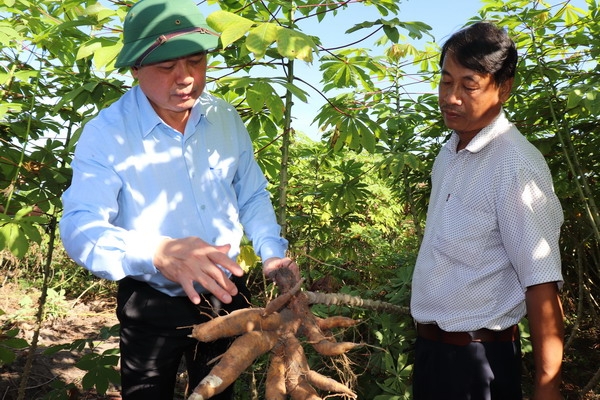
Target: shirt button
{"type": "Point", "coordinates": [202, 207]}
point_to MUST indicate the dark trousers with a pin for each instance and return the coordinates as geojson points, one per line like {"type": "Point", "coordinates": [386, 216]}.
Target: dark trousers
{"type": "Point", "coordinates": [477, 371]}
{"type": "Point", "coordinates": [155, 331]}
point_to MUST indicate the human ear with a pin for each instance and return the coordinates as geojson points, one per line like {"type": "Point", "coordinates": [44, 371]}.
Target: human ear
{"type": "Point", "coordinates": [506, 89]}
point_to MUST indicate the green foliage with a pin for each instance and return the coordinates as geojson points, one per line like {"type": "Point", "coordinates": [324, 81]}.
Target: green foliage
{"type": "Point", "coordinates": [291, 44]}
{"type": "Point", "coordinates": [341, 212]}
{"type": "Point", "coordinates": [9, 343]}
{"type": "Point", "coordinates": [101, 366]}
{"type": "Point", "coordinates": [101, 370]}
{"type": "Point", "coordinates": [355, 201]}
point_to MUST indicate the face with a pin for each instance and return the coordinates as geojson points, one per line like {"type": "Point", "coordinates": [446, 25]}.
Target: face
{"type": "Point", "coordinates": [469, 100]}
{"type": "Point", "coordinates": [173, 86]}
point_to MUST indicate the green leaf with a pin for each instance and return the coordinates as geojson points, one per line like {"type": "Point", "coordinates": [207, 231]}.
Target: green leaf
{"type": "Point", "coordinates": [275, 106]}
{"type": "Point", "coordinates": [6, 356]}
{"type": "Point", "coordinates": [88, 362]}
{"type": "Point", "coordinates": [573, 98]}
{"type": "Point", "coordinates": [296, 91]}
{"type": "Point", "coordinates": [368, 140]}
{"type": "Point", "coordinates": [14, 343]}
{"type": "Point", "coordinates": [99, 11]}
{"type": "Point", "coordinates": [412, 161]}
{"type": "Point", "coordinates": [392, 33]}
{"type": "Point", "coordinates": [88, 49]}
{"type": "Point", "coordinates": [232, 26]}
{"type": "Point", "coordinates": [13, 239]}
{"type": "Point", "coordinates": [260, 38]}
{"type": "Point", "coordinates": [7, 34]}
{"type": "Point", "coordinates": [103, 50]}
{"type": "Point", "coordinates": [255, 95]}
{"type": "Point", "coordinates": [293, 44]}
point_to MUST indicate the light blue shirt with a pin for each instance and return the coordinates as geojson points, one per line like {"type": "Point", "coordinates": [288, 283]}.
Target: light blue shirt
{"type": "Point", "coordinates": [137, 181]}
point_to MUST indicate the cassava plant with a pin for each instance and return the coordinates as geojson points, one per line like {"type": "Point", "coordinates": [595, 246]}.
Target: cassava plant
{"type": "Point", "coordinates": [277, 328]}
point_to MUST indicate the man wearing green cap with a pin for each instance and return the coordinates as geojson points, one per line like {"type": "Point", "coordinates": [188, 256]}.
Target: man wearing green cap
{"type": "Point", "coordinates": [164, 186]}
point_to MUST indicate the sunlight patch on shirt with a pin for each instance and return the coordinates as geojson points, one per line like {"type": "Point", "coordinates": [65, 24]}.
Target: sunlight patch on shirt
{"type": "Point", "coordinates": [542, 250]}
{"type": "Point", "coordinates": [531, 194]}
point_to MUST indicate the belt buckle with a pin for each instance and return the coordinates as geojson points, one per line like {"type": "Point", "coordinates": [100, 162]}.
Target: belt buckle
{"type": "Point", "coordinates": [473, 337]}
{"type": "Point", "coordinates": [464, 338]}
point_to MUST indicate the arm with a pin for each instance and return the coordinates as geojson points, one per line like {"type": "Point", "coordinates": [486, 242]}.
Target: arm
{"type": "Point", "coordinates": [546, 326]}
{"type": "Point", "coordinates": [257, 215]}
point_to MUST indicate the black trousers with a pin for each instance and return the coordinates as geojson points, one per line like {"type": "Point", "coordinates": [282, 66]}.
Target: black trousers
{"type": "Point", "coordinates": [154, 337]}
{"type": "Point", "coordinates": [477, 371]}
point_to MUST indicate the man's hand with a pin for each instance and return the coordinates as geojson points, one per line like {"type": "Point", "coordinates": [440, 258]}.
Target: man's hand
{"type": "Point", "coordinates": [190, 260]}
{"type": "Point", "coordinates": [272, 264]}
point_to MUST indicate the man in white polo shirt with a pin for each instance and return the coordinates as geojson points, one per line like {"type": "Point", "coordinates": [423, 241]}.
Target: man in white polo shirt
{"type": "Point", "coordinates": [490, 251]}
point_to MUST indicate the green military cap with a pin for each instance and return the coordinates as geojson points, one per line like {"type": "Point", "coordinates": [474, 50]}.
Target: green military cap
{"type": "Point", "coordinates": [161, 30]}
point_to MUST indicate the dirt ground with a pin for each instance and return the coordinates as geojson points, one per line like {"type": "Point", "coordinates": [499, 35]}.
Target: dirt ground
{"type": "Point", "coordinates": [75, 320]}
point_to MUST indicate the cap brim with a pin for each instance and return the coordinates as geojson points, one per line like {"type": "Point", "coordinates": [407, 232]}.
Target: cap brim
{"type": "Point", "coordinates": [180, 46]}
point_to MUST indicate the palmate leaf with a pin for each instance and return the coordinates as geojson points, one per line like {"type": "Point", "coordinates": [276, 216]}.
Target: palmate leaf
{"type": "Point", "coordinates": [13, 239]}
{"type": "Point", "coordinates": [275, 106]}
{"type": "Point", "coordinates": [256, 95]}
{"type": "Point", "coordinates": [346, 70]}
{"type": "Point", "coordinates": [357, 132]}
{"type": "Point", "coordinates": [290, 43]}
{"type": "Point", "coordinates": [415, 29]}
{"type": "Point", "coordinates": [18, 231]}
{"type": "Point", "coordinates": [101, 371]}
{"type": "Point", "coordinates": [261, 93]}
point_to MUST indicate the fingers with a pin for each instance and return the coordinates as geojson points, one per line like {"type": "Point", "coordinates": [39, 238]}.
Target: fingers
{"type": "Point", "coordinates": [190, 260]}
{"type": "Point", "coordinates": [191, 292]}
{"type": "Point", "coordinates": [222, 259]}
{"type": "Point", "coordinates": [291, 264]}
{"type": "Point", "coordinates": [216, 283]}
{"type": "Point", "coordinates": [272, 264]}
{"type": "Point", "coordinates": [214, 279]}
{"type": "Point", "coordinates": [221, 286]}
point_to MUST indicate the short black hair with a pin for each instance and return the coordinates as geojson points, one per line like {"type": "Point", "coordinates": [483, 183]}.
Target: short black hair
{"type": "Point", "coordinates": [485, 48]}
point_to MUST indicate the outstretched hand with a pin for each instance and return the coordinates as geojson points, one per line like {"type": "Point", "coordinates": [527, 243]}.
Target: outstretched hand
{"type": "Point", "coordinates": [191, 259]}
{"type": "Point", "coordinates": [272, 264]}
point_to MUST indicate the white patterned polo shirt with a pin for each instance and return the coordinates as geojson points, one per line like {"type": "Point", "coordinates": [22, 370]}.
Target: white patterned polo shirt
{"type": "Point", "coordinates": [492, 230]}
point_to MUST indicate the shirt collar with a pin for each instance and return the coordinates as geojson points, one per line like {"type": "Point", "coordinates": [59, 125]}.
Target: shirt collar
{"type": "Point", "coordinates": [484, 136]}
{"type": "Point", "coordinates": [151, 118]}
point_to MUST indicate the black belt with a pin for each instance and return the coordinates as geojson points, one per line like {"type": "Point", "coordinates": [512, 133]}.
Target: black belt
{"type": "Point", "coordinates": [436, 334]}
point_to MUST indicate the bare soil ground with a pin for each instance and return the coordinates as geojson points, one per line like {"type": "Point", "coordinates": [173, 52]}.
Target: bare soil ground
{"type": "Point", "coordinates": [75, 320]}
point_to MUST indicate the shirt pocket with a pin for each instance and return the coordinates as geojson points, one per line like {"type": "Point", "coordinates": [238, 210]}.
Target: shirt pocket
{"type": "Point", "coordinates": [464, 233]}
{"type": "Point", "coordinates": [222, 170]}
